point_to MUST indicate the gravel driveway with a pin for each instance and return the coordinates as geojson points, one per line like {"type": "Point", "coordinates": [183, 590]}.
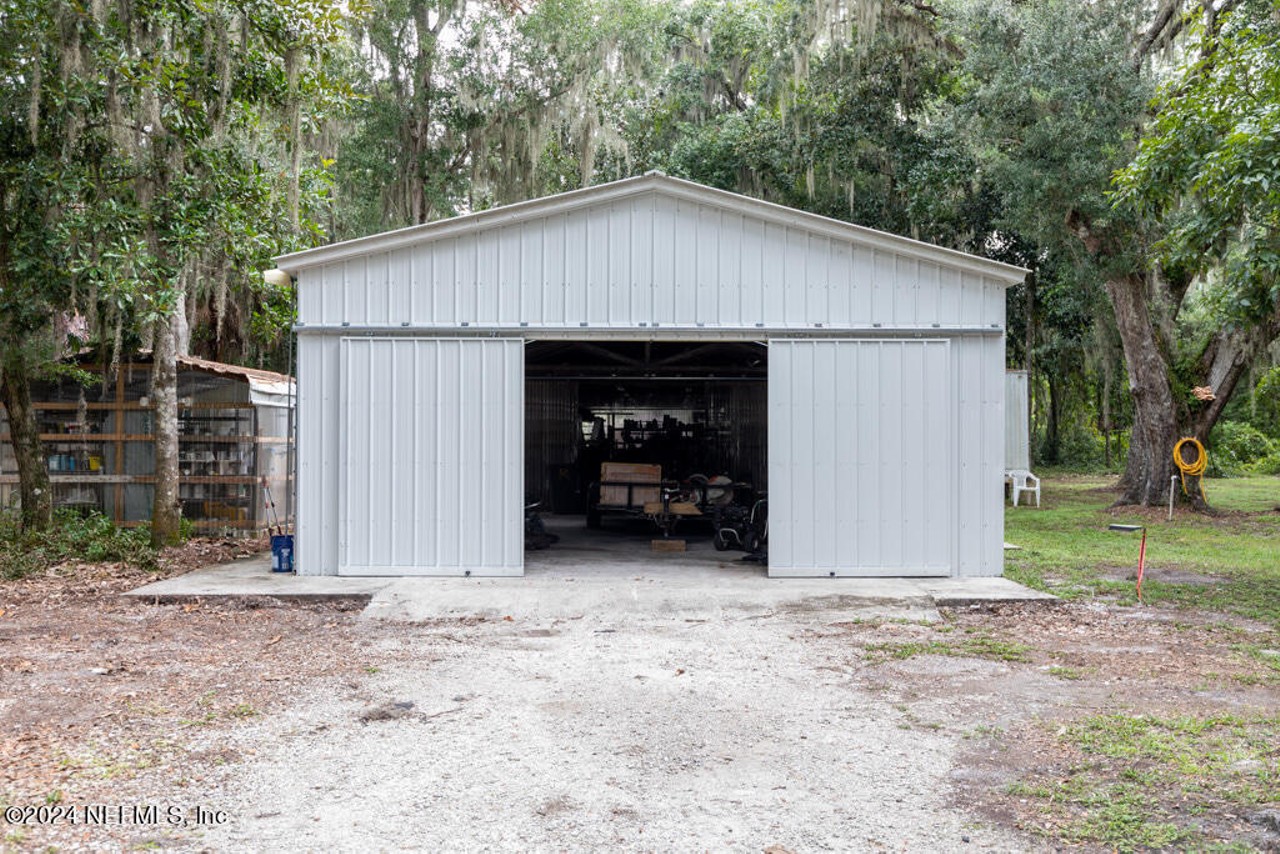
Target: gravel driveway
{"type": "Point", "coordinates": [608, 731]}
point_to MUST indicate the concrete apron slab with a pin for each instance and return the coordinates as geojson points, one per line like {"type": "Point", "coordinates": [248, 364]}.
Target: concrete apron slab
{"type": "Point", "coordinates": [253, 577]}
{"type": "Point", "coordinates": [413, 599]}
{"type": "Point", "coordinates": [602, 587]}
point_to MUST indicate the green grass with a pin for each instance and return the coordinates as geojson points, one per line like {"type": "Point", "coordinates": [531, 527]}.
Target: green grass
{"type": "Point", "coordinates": [1067, 549]}
{"type": "Point", "coordinates": [972, 644]}
{"type": "Point", "coordinates": [1064, 672]}
{"type": "Point", "coordinates": [1148, 782]}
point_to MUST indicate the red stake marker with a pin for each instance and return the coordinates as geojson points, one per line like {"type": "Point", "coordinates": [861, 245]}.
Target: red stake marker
{"type": "Point", "coordinates": [1142, 561]}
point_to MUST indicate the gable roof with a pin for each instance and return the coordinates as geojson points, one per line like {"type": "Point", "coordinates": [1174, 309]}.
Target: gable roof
{"type": "Point", "coordinates": [650, 182]}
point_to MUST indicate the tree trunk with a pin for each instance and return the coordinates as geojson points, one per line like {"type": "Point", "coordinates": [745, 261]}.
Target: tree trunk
{"type": "Point", "coordinates": [1052, 433]}
{"type": "Point", "coordinates": [24, 430]}
{"type": "Point", "coordinates": [166, 513]}
{"type": "Point", "coordinates": [1155, 416]}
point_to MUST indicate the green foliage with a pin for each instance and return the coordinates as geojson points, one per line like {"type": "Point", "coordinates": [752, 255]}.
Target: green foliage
{"type": "Point", "coordinates": [486, 106]}
{"type": "Point", "coordinates": [1049, 105]}
{"type": "Point", "coordinates": [73, 537]}
{"type": "Point", "coordinates": [1210, 163]}
{"type": "Point", "coordinates": [1266, 396]}
{"type": "Point", "coordinates": [1236, 447]}
{"type": "Point", "coordinates": [777, 100]}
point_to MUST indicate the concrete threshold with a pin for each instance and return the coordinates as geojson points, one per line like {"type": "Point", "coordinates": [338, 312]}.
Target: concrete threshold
{"type": "Point", "coordinates": [252, 577]}
{"type": "Point", "coordinates": [623, 588]}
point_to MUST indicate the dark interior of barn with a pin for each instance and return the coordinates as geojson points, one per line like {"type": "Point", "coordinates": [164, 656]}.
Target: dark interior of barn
{"type": "Point", "coordinates": [645, 438]}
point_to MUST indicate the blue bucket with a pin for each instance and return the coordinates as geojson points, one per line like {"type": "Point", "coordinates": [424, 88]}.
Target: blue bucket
{"type": "Point", "coordinates": [282, 553]}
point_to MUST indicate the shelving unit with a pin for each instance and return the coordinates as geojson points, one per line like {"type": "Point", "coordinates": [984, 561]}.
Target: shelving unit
{"type": "Point", "coordinates": [100, 446]}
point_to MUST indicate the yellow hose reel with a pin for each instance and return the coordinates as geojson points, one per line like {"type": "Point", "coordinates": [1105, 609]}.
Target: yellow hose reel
{"type": "Point", "coordinates": [1195, 468]}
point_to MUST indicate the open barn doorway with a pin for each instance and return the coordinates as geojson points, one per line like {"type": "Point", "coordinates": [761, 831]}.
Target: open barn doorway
{"type": "Point", "coordinates": [646, 454]}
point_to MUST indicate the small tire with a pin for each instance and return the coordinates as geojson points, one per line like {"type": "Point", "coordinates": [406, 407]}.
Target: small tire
{"type": "Point", "coordinates": [720, 541]}
{"type": "Point", "coordinates": [751, 543]}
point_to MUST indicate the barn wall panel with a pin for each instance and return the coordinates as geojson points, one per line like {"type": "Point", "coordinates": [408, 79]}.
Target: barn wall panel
{"type": "Point", "coordinates": [861, 458]}
{"type": "Point", "coordinates": [645, 260]}
{"type": "Point", "coordinates": [430, 446]}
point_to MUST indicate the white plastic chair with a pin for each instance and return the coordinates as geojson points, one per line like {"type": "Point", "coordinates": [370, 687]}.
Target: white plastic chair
{"type": "Point", "coordinates": [1022, 481]}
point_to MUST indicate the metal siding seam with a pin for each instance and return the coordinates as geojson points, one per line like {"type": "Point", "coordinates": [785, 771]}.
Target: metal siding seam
{"type": "Point", "coordinates": [395, 533]}
{"type": "Point", "coordinates": [457, 450]}
{"type": "Point", "coordinates": [952, 484]}
{"type": "Point", "coordinates": [992, 471]}
{"type": "Point", "coordinates": [924, 470]}
{"type": "Point", "coordinates": [789, 350]}
{"type": "Point", "coordinates": [854, 483]}
{"type": "Point", "coordinates": [387, 315]}
{"type": "Point", "coordinates": [428, 439]}
{"type": "Point", "coordinates": [896, 443]}
{"type": "Point", "coordinates": [504, 474]}
{"type": "Point", "coordinates": [343, 495]}
{"type": "Point", "coordinates": [983, 460]}
{"type": "Point", "coordinates": [325, 316]}
{"type": "Point", "coordinates": [792, 458]}
{"type": "Point", "coordinates": [480, 412]}
{"type": "Point", "coordinates": [815, 514]}
{"type": "Point", "coordinates": [873, 466]}
{"type": "Point", "coordinates": [774, 457]}
{"type": "Point", "coordinates": [437, 540]}
{"type": "Point", "coordinates": [465, 485]}
{"type": "Point", "coordinates": [514, 398]}
{"type": "Point", "coordinates": [539, 285]}
{"type": "Point", "coordinates": [366, 524]}
{"type": "Point", "coordinates": [330, 455]}
{"type": "Point", "coordinates": [829, 441]}
{"type": "Point", "coordinates": [803, 510]}
{"type": "Point", "coordinates": [621, 264]}
{"type": "Point", "coordinates": [415, 472]}
{"type": "Point", "coordinates": [411, 281]}
{"type": "Point", "coordinates": [346, 290]}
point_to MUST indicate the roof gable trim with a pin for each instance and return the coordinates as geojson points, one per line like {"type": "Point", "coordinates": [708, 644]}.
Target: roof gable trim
{"type": "Point", "coordinates": [651, 183]}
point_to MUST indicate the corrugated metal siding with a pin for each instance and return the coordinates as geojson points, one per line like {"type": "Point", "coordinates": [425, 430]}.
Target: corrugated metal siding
{"type": "Point", "coordinates": [645, 260]}
{"type": "Point", "coordinates": [1017, 442]}
{"type": "Point", "coordinates": [861, 458]}
{"type": "Point", "coordinates": [319, 417]}
{"type": "Point", "coordinates": [977, 368]}
{"type": "Point", "coordinates": [430, 474]}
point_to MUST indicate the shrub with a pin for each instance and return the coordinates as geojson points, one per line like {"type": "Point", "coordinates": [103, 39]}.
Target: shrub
{"type": "Point", "coordinates": [1270, 464]}
{"type": "Point", "coordinates": [1267, 401]}
{"type": "Point", "coordinates": [1235, 446]}
{"type": "Point", "coordinates": [93, 538]}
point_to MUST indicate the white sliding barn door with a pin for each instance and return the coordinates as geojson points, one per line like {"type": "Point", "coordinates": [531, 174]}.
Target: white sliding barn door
{"type": "Point", "coordinates": [431, 480]}
{"type": "Point", "coordinates": [861, 458]}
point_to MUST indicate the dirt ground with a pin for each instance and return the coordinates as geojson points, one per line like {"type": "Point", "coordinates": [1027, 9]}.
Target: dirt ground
{"type": "Point", "coordinates": [311, 727]}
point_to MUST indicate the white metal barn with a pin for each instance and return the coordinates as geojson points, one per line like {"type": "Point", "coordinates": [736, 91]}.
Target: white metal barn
{"type": "Point", "coordinates": [885, 375]}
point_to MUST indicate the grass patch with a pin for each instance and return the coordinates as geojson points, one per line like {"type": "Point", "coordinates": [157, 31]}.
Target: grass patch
{"type": "Point", "coordinates": [1066, 548]}
{"type": "Point", "coordinates": [1063, 672]}
{"type": "Point", "coordinates": [1151, 782]}
{"type": "Point", "coordinates": [970, 645]}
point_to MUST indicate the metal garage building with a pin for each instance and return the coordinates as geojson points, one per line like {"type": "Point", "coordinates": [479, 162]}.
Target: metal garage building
{"type": "Point", "coordinates": [885, 375]}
